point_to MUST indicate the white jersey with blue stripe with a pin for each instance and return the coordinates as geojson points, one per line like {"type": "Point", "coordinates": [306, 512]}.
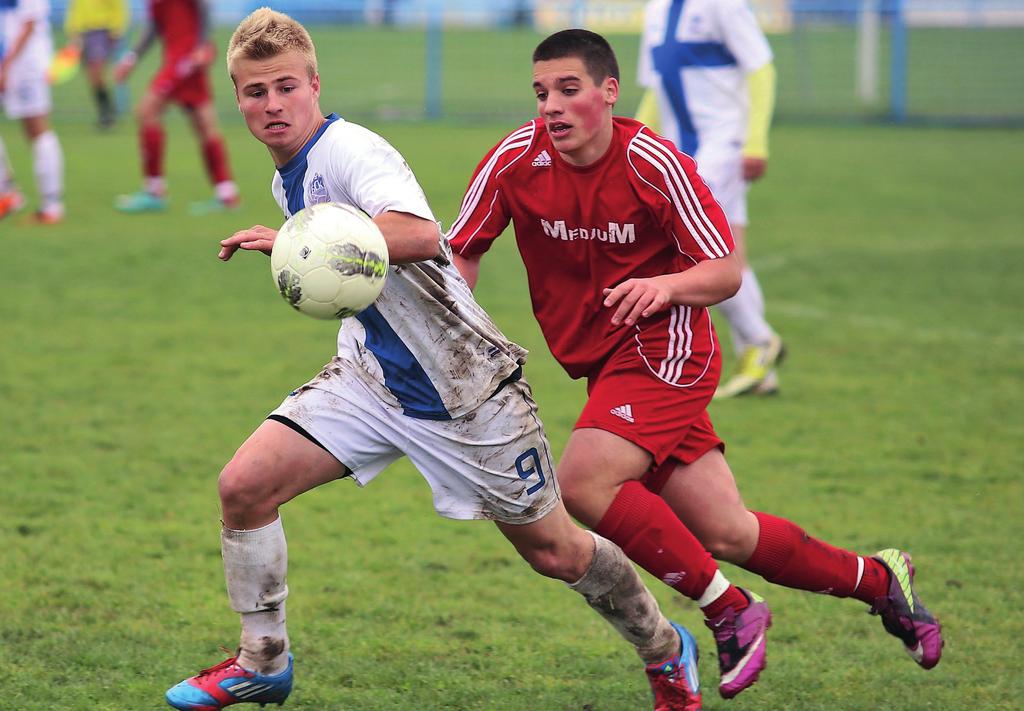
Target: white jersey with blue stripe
{"type": "Point", "coordinates": [695, 55]}
{"type": "Point", "coordinates": [424, 345]}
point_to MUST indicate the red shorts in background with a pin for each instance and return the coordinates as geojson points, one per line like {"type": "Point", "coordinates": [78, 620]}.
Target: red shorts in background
{"type": "Point", "coordinates": [181, 83]}
{"type": "Point", "coordinates": [669, 421]}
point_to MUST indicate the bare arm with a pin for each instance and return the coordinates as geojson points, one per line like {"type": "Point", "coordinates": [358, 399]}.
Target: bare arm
{"type": "Point", "coordinates": [469, 268]}
{"type": "Point", "coordinates": [409, 238]}
{"type": "Point", "coordinates": [127, 63]}
{"type": "Point", "coordinates": [704, 284]}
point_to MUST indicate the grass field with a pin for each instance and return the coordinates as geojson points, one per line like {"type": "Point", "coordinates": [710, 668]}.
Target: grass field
{"type": "Point", "coordinates": [132, 363]}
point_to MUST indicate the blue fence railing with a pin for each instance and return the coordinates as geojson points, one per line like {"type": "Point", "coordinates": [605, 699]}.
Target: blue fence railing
{"type": "Point", "coordinates": [948, 61]}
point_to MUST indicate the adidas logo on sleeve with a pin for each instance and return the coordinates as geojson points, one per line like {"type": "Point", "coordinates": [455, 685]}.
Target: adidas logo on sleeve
{"type": "Point", "coordinates": [542, 160]}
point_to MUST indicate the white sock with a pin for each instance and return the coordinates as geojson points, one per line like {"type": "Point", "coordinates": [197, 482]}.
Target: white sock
{"type": "Point", "coordinates": [745, 313]}
{"type": "Point", "coordinates": [255, 567]}
{"type": "Point", "coordinates": [6, 176]}
{"type": "Point", "coordinates": [613, 589]}
{"type": "Point", "coordinates": [715, 589]}
{"type": "Point", "coordinates": [226, 190]}
{"type": "Point", "coordinates": [155, 186]}
{"type": "Point", "coordinates": [49, 165]}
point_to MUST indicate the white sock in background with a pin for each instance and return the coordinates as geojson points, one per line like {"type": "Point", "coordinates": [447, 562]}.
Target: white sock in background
{"type": "Point", "coordinates": [745, 313]}
{"type": "Point", "coordinates": [6, 176]}
{"type": "Point", "coordinates": [49, 166]}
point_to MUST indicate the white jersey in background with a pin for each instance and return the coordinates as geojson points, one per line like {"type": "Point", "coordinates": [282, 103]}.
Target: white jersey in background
{"type": "Point", "coordinates": [424, 345]}
{"type": "Point", "coordinates": [695, 55]}
{"type": "Point", "coordinates": [13, 16]}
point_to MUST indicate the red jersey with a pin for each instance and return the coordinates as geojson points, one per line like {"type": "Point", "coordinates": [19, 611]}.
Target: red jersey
{"type": "Point", "coordinates": [178, 23]}
{"type": "Point", "coordinates": [639, 211]}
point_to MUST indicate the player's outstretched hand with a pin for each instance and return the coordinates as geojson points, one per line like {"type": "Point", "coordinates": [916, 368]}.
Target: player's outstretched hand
{"type": "Point", "coordinates": [636, 298]}
{"type": "Point", "coordinates": [257, 237]}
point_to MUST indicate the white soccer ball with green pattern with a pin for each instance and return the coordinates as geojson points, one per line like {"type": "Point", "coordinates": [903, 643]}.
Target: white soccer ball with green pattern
{"type": "Point", "coordinates": [329, 261]}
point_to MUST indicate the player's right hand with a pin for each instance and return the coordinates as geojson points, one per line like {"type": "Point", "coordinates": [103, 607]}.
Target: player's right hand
{"type": "Point", "coordinates": [257, 238]}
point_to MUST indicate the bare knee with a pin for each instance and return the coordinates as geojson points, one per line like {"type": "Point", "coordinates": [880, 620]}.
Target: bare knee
{"type": "Point", "coordinates": [553, 561]}
{"type": "Point", "coordinates": [245, 493]}
{"type": "Point", "coordinates": [735, 543]}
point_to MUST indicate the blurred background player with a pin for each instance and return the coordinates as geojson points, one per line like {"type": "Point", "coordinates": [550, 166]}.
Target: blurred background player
{"type": "Point", "coordinates": [393, 390]}
{"type": "Point", "coordinates": [711, 91]}
{"type": "Point", "coordinates": [96, 27]}
{"type": "Point", "coordinates": [25, 50]}
{"type": "Point", "coordinates": [183, 78]}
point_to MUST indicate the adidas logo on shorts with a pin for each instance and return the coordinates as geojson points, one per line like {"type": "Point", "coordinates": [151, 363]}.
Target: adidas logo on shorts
{"type": "Point", "coordinates": [542, 160]}
{"type": "Point", "coordinates": [623, 411]}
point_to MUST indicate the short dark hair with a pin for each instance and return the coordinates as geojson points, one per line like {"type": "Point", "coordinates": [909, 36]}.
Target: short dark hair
{"type": "Point", "coordinates": [597, 55]}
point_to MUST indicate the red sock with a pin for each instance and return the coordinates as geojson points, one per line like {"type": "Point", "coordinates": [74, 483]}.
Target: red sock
{"type": "Point", "coordinates": [151, 141]}
{"type": "Point", "coordinates": [786, 555]}
{"type": "Point", "coordinates": [651, 535]}
{"type": "Point", "coordinates": [215, 156]}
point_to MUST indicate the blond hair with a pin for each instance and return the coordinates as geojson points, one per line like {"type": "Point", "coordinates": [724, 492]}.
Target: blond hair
{"type": "Point", "coordinates": [266, 33]}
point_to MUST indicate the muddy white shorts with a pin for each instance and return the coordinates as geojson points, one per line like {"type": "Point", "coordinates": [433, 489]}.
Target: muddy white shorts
{"type": "Point", "coordinates": [492, 463]}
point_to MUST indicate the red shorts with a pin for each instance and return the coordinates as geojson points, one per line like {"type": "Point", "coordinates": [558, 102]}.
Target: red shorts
{"type": "Point", "coordinates": [188, 88]}
{"type": "Point", "coordinates": [669, 421]}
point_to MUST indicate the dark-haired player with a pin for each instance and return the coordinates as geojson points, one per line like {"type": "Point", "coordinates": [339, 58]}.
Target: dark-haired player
{"type": "Point", "coordinates": [625, 247]}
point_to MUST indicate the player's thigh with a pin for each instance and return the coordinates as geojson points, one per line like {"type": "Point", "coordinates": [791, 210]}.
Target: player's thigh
{"type": "Point", "coordinates": [278, 463]}
{"type": "Point", "coordinates": [35, 126]}
{"type": "Point", "coordinates": [492, 463]}
{"type": "Point", "coordinates": [203, 118]}
{"type": "Point", "coordinates": [602, 458]}
{"type": "Point", "coordinates": [338, 412]}
{"type": "Point", "coordinates": [150, 107]}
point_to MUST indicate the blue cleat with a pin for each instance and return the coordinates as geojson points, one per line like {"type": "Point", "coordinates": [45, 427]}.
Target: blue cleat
{"type": "Point", "coordinates": [140, 202]}
{"type": "Point", "coordinates": [674, 681]}
{"type": "Point", "coordinates": [213, 206]}
{"type": "Point", "coordinates": [227, 683]}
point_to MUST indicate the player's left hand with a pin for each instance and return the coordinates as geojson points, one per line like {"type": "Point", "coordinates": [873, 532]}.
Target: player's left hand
{"type": "Point", "coordinates": [257, 238]}
{"type": "Point", "coordinates": [636, 298]}
{"type": "Point", "coordinates": [754, 168]}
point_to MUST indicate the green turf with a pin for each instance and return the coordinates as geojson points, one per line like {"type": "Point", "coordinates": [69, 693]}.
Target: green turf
{"type": "Point", "coordinates": [132, 363]}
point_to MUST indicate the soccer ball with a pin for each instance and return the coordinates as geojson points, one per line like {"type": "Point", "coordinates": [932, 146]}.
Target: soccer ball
{"type": "Point", "coordinates": [329, 261]}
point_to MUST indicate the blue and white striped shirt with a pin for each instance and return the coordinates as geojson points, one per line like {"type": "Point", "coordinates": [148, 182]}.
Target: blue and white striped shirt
{"type": "Point", "coordinates": [424, 345]}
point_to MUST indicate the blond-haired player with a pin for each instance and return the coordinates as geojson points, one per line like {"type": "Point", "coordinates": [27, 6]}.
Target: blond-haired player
{"type": "Point", "coordinates": [391, 391]}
